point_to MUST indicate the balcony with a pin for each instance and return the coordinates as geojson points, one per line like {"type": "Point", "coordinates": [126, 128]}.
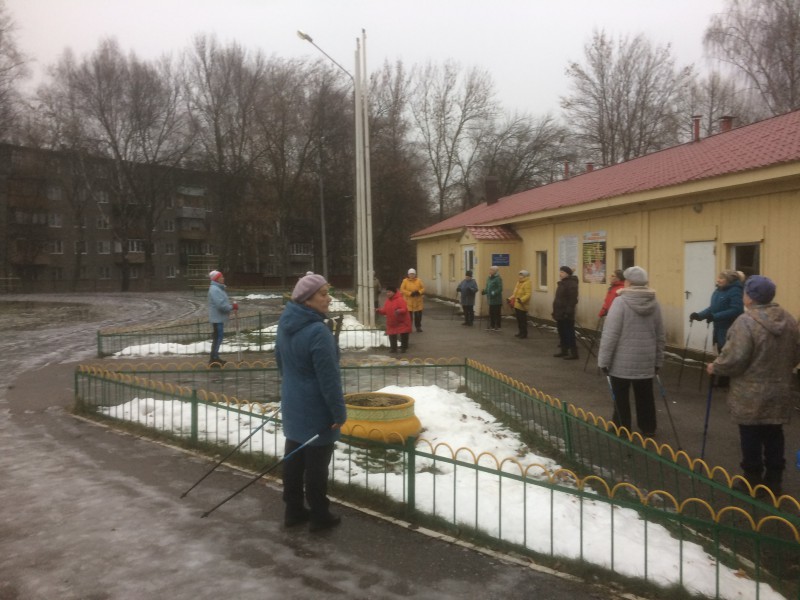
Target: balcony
{"type": "Point", "coordinates": [189, 212]}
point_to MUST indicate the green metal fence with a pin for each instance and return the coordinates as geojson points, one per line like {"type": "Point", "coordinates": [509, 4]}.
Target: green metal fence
{"type": "Point", "coordinates": [602, 471]}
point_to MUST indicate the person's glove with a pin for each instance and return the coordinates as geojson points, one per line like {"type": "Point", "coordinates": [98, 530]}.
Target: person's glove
{"type": "Point", "coordinates": [483, 292]}
{"type": "Point", "coordinates": [235, 306]}
{"type": "Point", "coordinates": [694, 317]}
{"type": "Point", "coordinates": [710, 319]}
{"type": "Point", "coordinates": [605, 370]}
{"type": "Point", "coordinates": [414, 294]}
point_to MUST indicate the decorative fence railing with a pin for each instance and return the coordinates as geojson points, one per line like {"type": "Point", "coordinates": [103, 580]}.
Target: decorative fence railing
{"type": "Point", "coordinates": [603, 471]}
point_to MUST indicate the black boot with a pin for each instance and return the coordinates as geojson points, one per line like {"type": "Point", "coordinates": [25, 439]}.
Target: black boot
{"type": "Point", "coordinates": [752, 477]}
{"type": "Point", "coordinates": [572, 354]}
{"type": "Point", "coordinates": [773, 479]}
{"type": "Point", "coordinates": [561, 353]}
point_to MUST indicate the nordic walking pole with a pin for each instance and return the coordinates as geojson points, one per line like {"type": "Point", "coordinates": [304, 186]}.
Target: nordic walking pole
{"type": "Point", "coordinates": [685, 349]}
{"type": "Point", "coordinates": [262, 473]}
{"type": "Point", "coordinates": [703, 365]}
{"type": "Point", "coordinates": [597, 334]}
{"type": "Point", "coordinates": [227, 456]}
{"type": "Point", "coordinates": [669, 412]}
{"type": "Point", "coordinates": [708, 412]}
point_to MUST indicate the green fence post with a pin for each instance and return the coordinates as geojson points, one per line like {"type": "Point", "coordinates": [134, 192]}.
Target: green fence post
{"type": "Point", "coordinates": [567, 431]}
{"type": "Point", "coordinates": [99, 345]}
{"type": "Point", "coordinates": [411, 474]}
{"type": "Point", "coordinates": [260, 330]}
{"type": "Point", "coordinates": [194, 417]}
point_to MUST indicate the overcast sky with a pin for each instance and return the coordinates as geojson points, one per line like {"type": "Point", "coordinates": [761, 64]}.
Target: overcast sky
{"type": "Point", "coordinates": [524, 44]}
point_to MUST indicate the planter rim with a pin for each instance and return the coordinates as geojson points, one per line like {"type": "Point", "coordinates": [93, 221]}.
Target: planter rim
{"type": "Point", "coordinates": [409, 400]}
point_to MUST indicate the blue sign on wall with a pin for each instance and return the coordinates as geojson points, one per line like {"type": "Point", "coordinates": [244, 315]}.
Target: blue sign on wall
{"type": "Point", "coordinates": [500, 260]}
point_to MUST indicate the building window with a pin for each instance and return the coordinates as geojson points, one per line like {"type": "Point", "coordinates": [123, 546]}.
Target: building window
{"type": "Point", "coordinates": [133, 272]}
{"type": "Point", "coordinates": [135, 245]}
{"type": "Point", "coordinates": [745, 258]}
{"type": "Point", "coordinates": [54, 220]}
{"type": "Point", "coordinates": [104, 247]}
{"type": "Point", "coordinates": [54, 193]}
{"type": "Point", "coordinates": [451, 266]}
{"type": "Point", "coordinates": [54, 247]}
{"type": "Point", "coordinates": [541, 270]}
{"type": "Point", "coordinates": [101, 196]}
{"type": "Point", "coordinates": [81, 247]}
{"type": "Point", "coordinates": [84, 272]}
{"type": "Point", "coordinates": [169, 248]}
{"type": "Point", "coordinates": [169, 224]}
{"type": "Point", "coordinates": [56, 273]}
{"type": "Point", "coordinates": [170, 202]}
{"type": "Point", "coordinates": [104, 272]}
{"type": "Point", "coordinates": [171, 272]}
{"type": "Point", "coordinates": [81, 222]}
{"type": "Point", "coordinates": [625, 258]}
{"type": "Point", "coordinates": [102, 222]}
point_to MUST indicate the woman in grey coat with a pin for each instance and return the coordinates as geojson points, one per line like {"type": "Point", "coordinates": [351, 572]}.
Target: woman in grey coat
{"type": "Point", "coordinates": [762, 349]}
{"type": "Point", "coordinates": [632, 350]}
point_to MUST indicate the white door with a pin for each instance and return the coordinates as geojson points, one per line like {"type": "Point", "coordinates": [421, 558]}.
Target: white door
{"type": "Point", "coordinates": [437, 267]}
{"type": "Point", "coordinates": [699, 276]}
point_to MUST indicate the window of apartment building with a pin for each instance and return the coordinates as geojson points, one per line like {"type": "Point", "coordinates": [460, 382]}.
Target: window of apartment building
{"type": "Point", "coordinates": [54, 247]}
{"type": "Point", "coordinates": [133, 272]}
{"type": "Point", "coordinates": [84, 272]}
{"type": "Point", "coordinates": [81, 247]}
{"type": "Point", "coordinates": [102, 222]}
{"type": "Point", "coordinates": [541, 270]}
{"type": "Point", "coordinates": [208, 249]}
{"type": "Point", "coordinates": [55, 220]}
{"type": "Point", "coordinates": [745, 258]}
{"type": "Point", "coordinates": [169, 248]}
{"type": "Point", "coordinates": [39, 219]}
{"type": "Point", "coordinates": [56, 273]}
{"type": "Point", "coordinates": [104, 247]}
{"type": "Point", "coordinates": [625, 257]}
{"type": "Point", "coordinates": [171, 272]}
{"type": "Point", "coordinates": [135, 245]}
{"type": "Point", "coordinates": [169, 224]}
{"type": "Point", "coordinates": [101, 196]}
{"type": "Point", "coordinates": [170, 202]}
{"type": "Point", "coordinates": [104, 272]}
{"type": "Point", "coordinates": [81, 222]}
{"type": "Point", "coordinates": [53, 193]}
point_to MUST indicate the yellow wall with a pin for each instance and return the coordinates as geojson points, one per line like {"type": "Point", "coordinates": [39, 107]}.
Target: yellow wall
{"type": "Point", "coordinates": [657, 231]}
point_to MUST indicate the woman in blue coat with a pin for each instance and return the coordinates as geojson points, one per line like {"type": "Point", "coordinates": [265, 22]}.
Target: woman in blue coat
{"type": "Point", "coordinates": [312, 402]}
{"type": "Point", "coordinates": [726, 304]}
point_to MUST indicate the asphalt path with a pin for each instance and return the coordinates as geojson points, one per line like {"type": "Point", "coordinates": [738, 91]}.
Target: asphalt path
{"type": "Point", "coordinates": [87, 512]}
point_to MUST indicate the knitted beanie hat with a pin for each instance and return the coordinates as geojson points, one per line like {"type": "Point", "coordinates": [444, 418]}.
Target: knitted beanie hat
{"type": "Point", "coordinates": [307, 286]}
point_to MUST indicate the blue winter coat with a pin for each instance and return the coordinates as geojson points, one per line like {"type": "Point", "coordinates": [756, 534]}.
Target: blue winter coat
{"type": "Point", "coordinates": [468, 288]}
{"type": "Point", "coordinates": [219, 305]}
{"type": "Point", "coordinates": [311, 388]}
{"type": "Point", "coordinates": [726, 304]}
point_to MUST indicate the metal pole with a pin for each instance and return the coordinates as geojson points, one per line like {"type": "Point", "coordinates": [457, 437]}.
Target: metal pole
{"type": "Point", "coordinates": [370, 267]}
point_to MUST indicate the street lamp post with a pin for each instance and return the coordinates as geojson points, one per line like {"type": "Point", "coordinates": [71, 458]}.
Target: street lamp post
{"type": "Point", "coordinates": [365, 291]}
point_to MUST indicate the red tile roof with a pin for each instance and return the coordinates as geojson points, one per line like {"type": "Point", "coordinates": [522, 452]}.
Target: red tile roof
{"type": "Point", "coordinates": [766, 143]}
{"type": "Point", "coordinates": [493, 233]}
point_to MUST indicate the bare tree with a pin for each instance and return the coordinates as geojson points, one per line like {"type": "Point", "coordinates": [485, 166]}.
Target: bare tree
{"type": "Point", "coordinates": [626, 98]}
{"type": "Point", "coordinates": [760, 39]}
{"type": "Point", "coordinates": [715, 97]}
{"type": "Point", "coordinates": [13, 69]}
{"type": "Point", "coordinates": [451, 109]}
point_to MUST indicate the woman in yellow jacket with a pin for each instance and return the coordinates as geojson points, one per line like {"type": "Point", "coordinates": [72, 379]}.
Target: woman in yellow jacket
{"type": "Point", "coordinates": [413, 290]}
{"type": "Point", "coordinates": [519, 302]}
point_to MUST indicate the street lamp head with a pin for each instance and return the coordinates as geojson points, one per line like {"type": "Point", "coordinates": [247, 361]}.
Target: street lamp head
{"type": "Point", "coordinates": [304, 36]}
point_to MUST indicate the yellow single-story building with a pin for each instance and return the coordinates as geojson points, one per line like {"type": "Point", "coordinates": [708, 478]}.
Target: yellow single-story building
{"type": "Point", "coordinates": [728, 201]}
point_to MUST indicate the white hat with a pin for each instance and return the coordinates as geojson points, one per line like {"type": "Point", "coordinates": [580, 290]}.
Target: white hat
{"type": "Point", "coordinates": [412, 271]}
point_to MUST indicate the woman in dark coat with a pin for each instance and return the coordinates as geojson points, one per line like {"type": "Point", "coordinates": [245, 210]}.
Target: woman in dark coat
{"type": "Point", "coordinates": [564, 313]}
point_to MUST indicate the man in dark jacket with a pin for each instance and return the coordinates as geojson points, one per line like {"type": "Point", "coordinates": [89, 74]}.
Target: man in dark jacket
{"type": "Point", "coordinates": [468, 288]}
{"type": "Point", "coordinates": [494, 297]}
{"type": "Point", "coordinates": [564, 313]}
{"type": "Point", "coordinates": [762, 349]}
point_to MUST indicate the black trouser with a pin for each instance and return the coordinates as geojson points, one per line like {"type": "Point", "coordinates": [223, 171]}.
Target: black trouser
{"type": "Point", "coordinates": [522, 322]}
{"type": "Point", "coordinates": [309, 468]}
{"type": "Point", "coordinates": [645, 403]}
{"type": "Point", "coordinates": [417, 315]}
{"type": "Point", "coordinates": [566, 333]}
{"type": "Point", "coordinates": [495, 311]}
{"type": "Point", "coordinates": [469, 313]}
{"type": "Point", "coordinates": [763, 446]}
{"type": "Point", "coordinates": [216, 340]}
{"type": "Point", "coordinates": [403, 341]}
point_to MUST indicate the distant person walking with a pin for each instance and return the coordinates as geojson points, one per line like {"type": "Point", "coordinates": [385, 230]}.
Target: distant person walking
{"type": "Point", "coordinates": [493, 290]}
{"type": "Point", "coordinates": [398, 319]}
{"type": "Point", "coordinates": [468, 288]}
{"type": "Point", "coordinates": [312, 402]}
{"type": "Point", "coordinates": [617, 283]}
{"type": "Point", "coordinates": [726, 305]}
{"type": "Point", "coordinates": [762, 349]}
{"type": "Point", "coordinates": [519, 302]}
{"type": "Point", "coordinates": [564, 303]}
{"type": "Point", "coordinates": [413, 291]}
{"type": "Point", "coordinates": [219, 309]}
{"type": "Point", "coordinates": [632, 350]}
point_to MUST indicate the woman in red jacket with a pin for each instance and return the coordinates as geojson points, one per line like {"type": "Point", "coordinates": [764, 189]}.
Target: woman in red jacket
{"type": "Point", "coordinates": [398, 319]}
{"type": "Point", "coordinates": [617, 283]}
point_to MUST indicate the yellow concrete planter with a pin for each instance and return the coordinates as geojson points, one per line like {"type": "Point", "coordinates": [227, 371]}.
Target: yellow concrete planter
{"type": "Point", "coordinates": [381, 417]}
